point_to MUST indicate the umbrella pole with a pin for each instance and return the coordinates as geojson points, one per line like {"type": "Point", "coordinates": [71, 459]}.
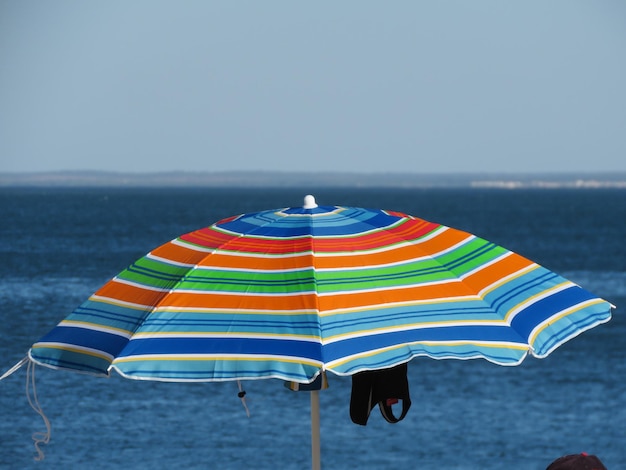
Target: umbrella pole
{"type": "Point", "coordinates": [315, 430]}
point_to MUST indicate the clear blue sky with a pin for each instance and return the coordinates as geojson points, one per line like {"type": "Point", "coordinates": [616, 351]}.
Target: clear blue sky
{"type": "Point", "coordinates": [370, 86]}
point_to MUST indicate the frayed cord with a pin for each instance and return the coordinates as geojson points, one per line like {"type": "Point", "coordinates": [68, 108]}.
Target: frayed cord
{"type": "Point", "coordinates": [242, 395]}
{"type": "Point", "coordinates": [39, 437]}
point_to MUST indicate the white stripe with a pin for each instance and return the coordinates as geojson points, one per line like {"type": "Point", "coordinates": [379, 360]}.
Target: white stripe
{"type": "Point", "coordinates": [254, 270]}
{"type": "Point", "coordinates": [169, 261]}
{"type": "Point", "coordinates": [191, 246]}
{"type": "Point", "coordinates": [122, 303]}
{"type": "Point", "coordinates": [451, 248]}
{"type": "Point", "coordinates": [138, 285]}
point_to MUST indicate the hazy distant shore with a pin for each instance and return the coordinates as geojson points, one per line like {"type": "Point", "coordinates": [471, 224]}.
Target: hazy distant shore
{"type": "Point", "coordinates": [321, 179]}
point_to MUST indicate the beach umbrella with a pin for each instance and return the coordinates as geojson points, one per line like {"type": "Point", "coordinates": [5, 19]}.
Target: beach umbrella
{"type": "Point", "coordinates": [301, 292]}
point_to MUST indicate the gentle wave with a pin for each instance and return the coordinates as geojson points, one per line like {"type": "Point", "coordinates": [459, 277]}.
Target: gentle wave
{"type": "Point", "coordinates": [606, 284]}
{"type": "Point", "coordinates": [35, 290]}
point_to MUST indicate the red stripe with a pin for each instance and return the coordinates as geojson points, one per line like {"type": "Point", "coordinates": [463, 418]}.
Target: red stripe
{"type": "Point", "coordinates": [410, 229]}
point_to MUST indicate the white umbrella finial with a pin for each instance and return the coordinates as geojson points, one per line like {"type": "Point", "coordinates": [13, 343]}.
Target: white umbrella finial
{"type": "Point", "coordinates": [309, 202]}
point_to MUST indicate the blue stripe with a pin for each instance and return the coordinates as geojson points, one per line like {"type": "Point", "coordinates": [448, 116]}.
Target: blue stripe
{"type": "Point", "coordinates": [540, 311]}
{"type": "Point", "coordinates": [350, 221]}
{"type": "Point", "coordinates": [73, 336]}
{"type": "Point", "coordinates": [254, 346]}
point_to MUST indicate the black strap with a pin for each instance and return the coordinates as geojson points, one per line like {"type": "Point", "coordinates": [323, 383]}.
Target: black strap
{"type": "Point", "coordinates": [387, 412]}
{"type": "Point", "coordinates": [383, 387]}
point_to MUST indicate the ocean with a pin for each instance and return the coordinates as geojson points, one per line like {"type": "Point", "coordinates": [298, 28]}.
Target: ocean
{"type": "Point", "coordinates": [58, 245]}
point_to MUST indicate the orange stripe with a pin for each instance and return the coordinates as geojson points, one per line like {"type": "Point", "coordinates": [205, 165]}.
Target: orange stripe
{"type": "Point", "coordinates": [235, 301]}
{"type": "Point", "coordinates": [364, 299]}
{"type": "Point", "coordinates": [496, 271]}
{"type": "Point", "coordinates": [179, 253]}
{"type": "Point", "coordinates": [310, 301]}
{"type": "Point", "coordinates": [132, 294]}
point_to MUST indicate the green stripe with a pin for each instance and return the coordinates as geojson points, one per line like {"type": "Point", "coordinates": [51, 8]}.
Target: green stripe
{"type": "Point", "coordinates": [154, 273]}
{"type": "Point", "coordinates": [250, 282]}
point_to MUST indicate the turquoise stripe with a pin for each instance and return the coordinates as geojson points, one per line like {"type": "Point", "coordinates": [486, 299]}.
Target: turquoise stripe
{"type": "Point", "coordinates": [498, 355]}
{"type": "Point", "coordinates": [109, 315]}
{"type": "Point", "coordinates": [218, 322]}
{"type": "Point", "coordinates": [564, 329]}
{"type": "Point", "coordinates": [389, 317]}
{"type": "Point", "coordinates": [63, 359]}
{"type": "Point", "coordinates": [508, 296]}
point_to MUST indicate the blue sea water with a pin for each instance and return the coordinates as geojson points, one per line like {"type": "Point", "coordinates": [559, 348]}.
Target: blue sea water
{"type": "Point", "coordinates": [59, 245]}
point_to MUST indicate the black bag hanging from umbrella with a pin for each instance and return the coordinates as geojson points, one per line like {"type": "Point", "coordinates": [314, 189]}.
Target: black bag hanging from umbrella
{"type": "Point", "coordinates": [384, 387]}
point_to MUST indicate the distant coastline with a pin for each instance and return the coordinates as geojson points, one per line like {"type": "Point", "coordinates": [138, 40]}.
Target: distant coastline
{"type": "Point", "coordinates": [307, 179]}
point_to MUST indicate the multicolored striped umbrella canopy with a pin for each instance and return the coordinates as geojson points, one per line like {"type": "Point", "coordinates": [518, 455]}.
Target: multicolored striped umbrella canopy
{"type": "Point", "coordinates": [289, 293]}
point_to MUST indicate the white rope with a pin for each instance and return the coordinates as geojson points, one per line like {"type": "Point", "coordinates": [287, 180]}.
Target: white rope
{"type": "Point", "coordinates": [14, 368]}
{"type": "Point", "coordinates": [33, 401]}
{"type": "Point", "coordinates": [242, 395]}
